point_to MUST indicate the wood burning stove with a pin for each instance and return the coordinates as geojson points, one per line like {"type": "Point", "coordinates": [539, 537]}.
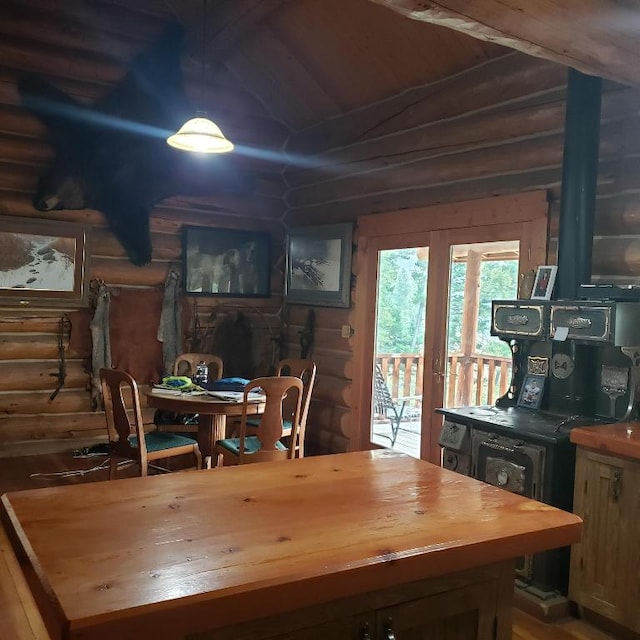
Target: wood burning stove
{"type": "Point", "coordinates": [586, 351]}
{"type": "Point", "coordinates": [527, 452]}
{"type": "Point", "coordinates": [592, 377]}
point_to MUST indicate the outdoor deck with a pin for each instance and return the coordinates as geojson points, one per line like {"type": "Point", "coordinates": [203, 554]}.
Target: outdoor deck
{"type": "Point", "coordinates": [470, 380]}
{"type": "Point", "coordinates": [408, 440]}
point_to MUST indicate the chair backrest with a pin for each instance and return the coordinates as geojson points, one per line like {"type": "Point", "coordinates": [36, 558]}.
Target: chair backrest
{"type": "Point", "coordinates": [305, 369]}
{"type": "Point", "coordinates": [382, 399]}
{"type": "Point", "coordinates": [186, 363]}
{"type": "Point", "coordinates": [269, 431]}
{"type": "Point", "coordinates": [114, 384]}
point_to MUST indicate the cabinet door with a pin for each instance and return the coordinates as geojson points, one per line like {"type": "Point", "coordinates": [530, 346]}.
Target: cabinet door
{"type": "Point", "coordinates": [605, 563]}
{"type": "Point", "coordinates": [350, 628]}
{"type": "Point", "coordinates": [467, 613]}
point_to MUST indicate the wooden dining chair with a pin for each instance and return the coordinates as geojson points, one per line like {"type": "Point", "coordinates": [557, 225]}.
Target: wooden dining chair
{"type": "Point", "coordinates": [302, 368]}
{"type": "Point", "coordinates": [264, 443]}
{"type": "Point", "coordinates": [186, 363]}
{"type": "Point", "coordinates": [127, 438]}
{"type": "Point", "coordinates": [305, 369]}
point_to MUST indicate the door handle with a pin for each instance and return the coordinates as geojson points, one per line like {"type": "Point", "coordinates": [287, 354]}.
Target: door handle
{"type": "Point", "coordinates": [388, 630]}
{"type": "Point", "coordinates": [616, 485]}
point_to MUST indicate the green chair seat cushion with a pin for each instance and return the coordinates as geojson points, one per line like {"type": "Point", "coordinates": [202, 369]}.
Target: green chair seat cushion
{"type": "Point", "coordinates": [254, 421]}
{"type": "Point", "coordinates": [252, 444]}
{"type": "Point", "coordinates": [158, 441]}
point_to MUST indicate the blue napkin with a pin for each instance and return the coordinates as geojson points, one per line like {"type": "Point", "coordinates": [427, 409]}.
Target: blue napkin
{"type": "Point", "coordinates": [226, 384]}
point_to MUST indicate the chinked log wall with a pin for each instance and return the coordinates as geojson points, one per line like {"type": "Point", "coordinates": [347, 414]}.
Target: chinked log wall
{"type": "Point", "coordinates": [496, 129]}
{"type": "Point", "coordinates": [36, 37]}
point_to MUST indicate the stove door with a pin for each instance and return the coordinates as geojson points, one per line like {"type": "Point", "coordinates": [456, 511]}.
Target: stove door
{"type": "Point", "coordinates": [508, 475]}
{"type": "Point", "coordinates": [456, 461]}
{"type": "Point", "coordinates": [510, 464]}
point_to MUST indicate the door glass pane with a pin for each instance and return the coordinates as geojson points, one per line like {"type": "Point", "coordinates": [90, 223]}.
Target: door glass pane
{"type": "Point", "coordinates": [396, 410]}
{"type": "Point", "coordinates": [478, 367]}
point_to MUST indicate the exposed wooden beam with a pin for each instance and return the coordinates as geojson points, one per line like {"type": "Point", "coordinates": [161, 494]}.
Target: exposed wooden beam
{"type": "Point", "coordinates": [500, 80]}
{"type": "Point", "coordinates": [597, 37]}
{"type": "Point", "coordinates": [229, 22]}
{"type": "Point", "coordinates": [237, 21]}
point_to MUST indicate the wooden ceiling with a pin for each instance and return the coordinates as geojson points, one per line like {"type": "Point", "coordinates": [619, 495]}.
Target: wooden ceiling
{"type": "Point", "coordinates": [308, 60]}
{"type": "Point", "coordinates": [277, 67]}
{"type": "Point", "coordinates": [317, 59]}
{"type": "Point", "coordinates": [311, 60]}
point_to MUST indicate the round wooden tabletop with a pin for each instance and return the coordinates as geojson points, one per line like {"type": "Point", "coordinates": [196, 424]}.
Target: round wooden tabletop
{"type": "Point", "coordinates": [206, 405]}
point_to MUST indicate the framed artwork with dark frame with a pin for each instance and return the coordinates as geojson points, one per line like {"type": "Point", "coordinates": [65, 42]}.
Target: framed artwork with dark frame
{"type": "Point", "coordinates": [319, 265]}
{"type": "Point", "coordinates": [42, 262]}
{"type": "Point", "coordinates": [226, 262]}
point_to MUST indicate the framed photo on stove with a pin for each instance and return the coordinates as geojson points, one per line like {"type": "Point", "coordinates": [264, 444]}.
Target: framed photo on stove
{"type": "Point", "coordinates": [532, 391]}
{"type": "Point", "coordinates": [543, 284]}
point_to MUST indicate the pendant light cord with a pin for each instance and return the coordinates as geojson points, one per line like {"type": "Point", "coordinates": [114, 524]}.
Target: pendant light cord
{"type": "Point", "coordinates": [200, 134]}
{"type": "Point", "coordinates": [204, 36]}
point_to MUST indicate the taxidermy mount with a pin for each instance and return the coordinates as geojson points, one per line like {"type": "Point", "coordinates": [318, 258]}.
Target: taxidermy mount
{"type": "Point", "coordinates": [113, 157]}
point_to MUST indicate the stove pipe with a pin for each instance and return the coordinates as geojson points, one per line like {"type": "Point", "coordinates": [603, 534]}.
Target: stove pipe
{"type": "Point", "coordinates": [579, 183]}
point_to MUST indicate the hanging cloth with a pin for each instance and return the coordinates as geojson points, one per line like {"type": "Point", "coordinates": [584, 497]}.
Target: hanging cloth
{"type": "Point", "coordinates": [170, 327]}
{"type": "Point", "coordinates": [101, 343]}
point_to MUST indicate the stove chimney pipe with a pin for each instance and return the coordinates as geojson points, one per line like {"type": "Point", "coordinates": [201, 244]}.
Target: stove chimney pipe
{"type": "Point", "coordinates": [579, 183]}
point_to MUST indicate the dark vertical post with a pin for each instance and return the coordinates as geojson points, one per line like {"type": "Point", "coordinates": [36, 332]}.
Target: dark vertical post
{"type": "Point", "coordinates": [579, 183]}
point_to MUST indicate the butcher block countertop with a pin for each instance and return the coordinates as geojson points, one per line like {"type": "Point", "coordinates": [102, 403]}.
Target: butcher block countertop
{"type": "Point", "coordinates": [239, 543]}
{"type": "Point", "coordinates": [619, 438]}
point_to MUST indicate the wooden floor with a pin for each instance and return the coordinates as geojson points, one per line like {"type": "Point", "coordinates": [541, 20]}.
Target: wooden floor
{"type": "Point", "coordinates": [33, 472]}
{"type": "Point", "coordinates": [30, 472]}
{"type": "Point", "coordinates": [525, 627]}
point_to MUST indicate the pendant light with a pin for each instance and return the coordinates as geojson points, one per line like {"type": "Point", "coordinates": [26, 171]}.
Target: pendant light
{"type": "Point", "coordinates": [200, 134]}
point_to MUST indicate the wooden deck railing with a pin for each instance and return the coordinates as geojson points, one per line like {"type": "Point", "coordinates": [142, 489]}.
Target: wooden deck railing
{"type": "Point", "coordinates": [476, 379]}
{"type": "Point", "coordinates": [470, 380]}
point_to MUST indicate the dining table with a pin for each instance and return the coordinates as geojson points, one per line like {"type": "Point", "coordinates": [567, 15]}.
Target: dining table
{"type": "Point", "coordinates": [212, 411]}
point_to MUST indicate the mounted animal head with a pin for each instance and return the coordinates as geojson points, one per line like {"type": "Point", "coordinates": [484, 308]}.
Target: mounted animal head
{"type": "Point", "coordinates": [113, 156]}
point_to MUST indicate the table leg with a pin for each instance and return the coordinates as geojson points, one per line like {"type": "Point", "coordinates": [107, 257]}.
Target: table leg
{"type": "Point", "coordinates": [210, 429]}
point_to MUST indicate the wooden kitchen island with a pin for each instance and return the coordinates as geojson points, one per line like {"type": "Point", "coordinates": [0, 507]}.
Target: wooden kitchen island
{"type": "Point", "coordinates": [346, 546]}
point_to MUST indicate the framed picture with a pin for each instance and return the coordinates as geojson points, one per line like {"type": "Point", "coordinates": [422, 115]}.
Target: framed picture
{"type": "Point", "coordinates": [226, 262]}
{"type": "Point", "coordinates": [543, 284]}
{"type": "Point", "coordinates": [319, 265]}
{"type": "Point", "coordinates": [42, 262]}
{"type": "Point", "coordinates": [532, 391]}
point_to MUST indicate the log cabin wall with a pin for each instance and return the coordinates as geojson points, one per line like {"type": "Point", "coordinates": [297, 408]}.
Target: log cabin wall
{"type": "Point", "coordinates": [495, 129]}
{"type": "Point", "coordinates": [40, 37]}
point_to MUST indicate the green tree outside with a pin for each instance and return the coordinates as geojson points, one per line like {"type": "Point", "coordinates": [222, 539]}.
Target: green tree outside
{"type": "Point", "coordinates": [402, 302]}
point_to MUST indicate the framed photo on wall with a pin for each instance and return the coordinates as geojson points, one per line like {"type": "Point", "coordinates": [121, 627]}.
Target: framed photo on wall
{"type": "Point", "coordinates": [543, 284]}
{"type": "Point", "coordinates": [226, 262]}
{"type": "Point", "coordinates": [319, 265]}
{"type": "Point", "coordinates": [42, 262]}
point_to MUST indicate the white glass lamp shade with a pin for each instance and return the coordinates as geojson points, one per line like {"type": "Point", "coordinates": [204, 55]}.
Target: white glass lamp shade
{"type": "Point", "coordinates": [200, 135]}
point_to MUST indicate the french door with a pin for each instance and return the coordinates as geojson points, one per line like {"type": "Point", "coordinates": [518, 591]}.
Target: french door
{"type": "Point", "coordinates": [416, 348]}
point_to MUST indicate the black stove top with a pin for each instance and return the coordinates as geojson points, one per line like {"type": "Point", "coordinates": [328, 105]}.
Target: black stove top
{"type": "Point", "coordinates": [519, 422]}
